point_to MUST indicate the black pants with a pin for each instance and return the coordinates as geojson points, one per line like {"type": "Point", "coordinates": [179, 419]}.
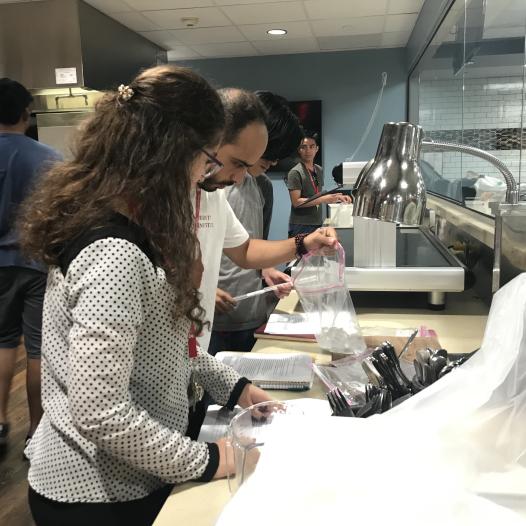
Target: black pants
{"type": "Point", "coordinates": [141, 512]}
{"type": "Point", "coordinates": [21, 299]}
{"type": "Point", "coordinates": [241, 341]}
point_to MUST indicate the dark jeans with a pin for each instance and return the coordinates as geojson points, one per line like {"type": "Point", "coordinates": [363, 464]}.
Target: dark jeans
{"type": "Point", "coordinates": [140, 512]}
{"type": "Point", "coordinates": [294, 230]}
{"type": "Point", "coordinates": [240, 341]}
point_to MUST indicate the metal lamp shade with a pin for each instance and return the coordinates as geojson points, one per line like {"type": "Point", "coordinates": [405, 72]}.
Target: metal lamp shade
{"type": "Point", "coordinates": [390, 187]}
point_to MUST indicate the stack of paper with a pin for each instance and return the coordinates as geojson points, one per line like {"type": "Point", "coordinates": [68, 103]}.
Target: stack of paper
{"type": "Point", "coordinates": [291, 371]}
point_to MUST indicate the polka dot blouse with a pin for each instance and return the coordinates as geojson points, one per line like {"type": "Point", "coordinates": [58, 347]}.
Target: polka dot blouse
{"type": "Point", "coordinates": [115, 372]}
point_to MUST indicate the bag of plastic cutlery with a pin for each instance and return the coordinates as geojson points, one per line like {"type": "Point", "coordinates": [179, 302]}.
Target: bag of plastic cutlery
{"type": "Point", "coordinates": [319, 281]}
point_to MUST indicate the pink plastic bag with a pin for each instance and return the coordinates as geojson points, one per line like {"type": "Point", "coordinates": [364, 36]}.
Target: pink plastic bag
{"type": "Point", "coordinates": [320, 284]}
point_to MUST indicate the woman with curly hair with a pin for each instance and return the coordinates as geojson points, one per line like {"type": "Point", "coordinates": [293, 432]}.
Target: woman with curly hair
{"type": "Point", "coordinates": [120, 365]}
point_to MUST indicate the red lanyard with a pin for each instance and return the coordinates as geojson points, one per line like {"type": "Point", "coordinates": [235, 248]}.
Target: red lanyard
{"type": "Point", "coordinates": [192, 338]}
{"type": "Point", "coordinates": [314, 185]}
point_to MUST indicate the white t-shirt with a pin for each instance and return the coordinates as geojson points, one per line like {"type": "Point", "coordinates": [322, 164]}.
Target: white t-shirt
{"type": "Point", "coordinates": [218, 228]}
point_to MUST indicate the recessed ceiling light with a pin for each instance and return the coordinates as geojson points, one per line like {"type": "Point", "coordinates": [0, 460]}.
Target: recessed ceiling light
{"type": "Point", "coordinates": [277, 31]}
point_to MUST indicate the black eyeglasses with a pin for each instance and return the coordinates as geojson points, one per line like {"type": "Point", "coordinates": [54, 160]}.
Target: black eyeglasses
{"type": "Point", "coordinates": [215, 163]}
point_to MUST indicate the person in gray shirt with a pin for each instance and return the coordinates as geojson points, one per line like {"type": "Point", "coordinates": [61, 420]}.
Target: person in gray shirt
{"type": "Point", "coordinates": [304, 181]}
{"type": "Point", "coordinates": [252, 201]}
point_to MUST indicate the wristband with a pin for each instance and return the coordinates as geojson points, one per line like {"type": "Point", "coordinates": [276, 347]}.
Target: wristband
{"type": "Point", "coordinates": [301, 249]}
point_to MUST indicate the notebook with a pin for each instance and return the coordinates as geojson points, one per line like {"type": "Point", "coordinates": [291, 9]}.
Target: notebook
{"type": "Point", "coordinates": [290, 371]}
{"type": "Point", "coordinates": [294, 326]}
{"type": "Point", "coordinates": [261, 332]}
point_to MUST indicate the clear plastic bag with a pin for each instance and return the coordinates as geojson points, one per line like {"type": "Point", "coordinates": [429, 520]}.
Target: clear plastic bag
{"type": "Point", "coordinates": [321, 287]}
{"type": "Point", "coordinates": [349, 379]}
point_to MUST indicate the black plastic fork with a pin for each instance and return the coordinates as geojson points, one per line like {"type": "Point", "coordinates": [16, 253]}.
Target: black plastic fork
{"type": "Point", "coordinates": [339, 404]}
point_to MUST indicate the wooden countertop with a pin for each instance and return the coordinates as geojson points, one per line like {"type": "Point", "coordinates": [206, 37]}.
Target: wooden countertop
{"type": "Point", "coordinates": [460, 328]}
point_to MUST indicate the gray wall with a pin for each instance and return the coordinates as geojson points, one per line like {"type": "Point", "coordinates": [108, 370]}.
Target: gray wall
{"type": "Point", "coordinates": [347, 83]}
{"type": "Point", "coordinates": [112, 54]}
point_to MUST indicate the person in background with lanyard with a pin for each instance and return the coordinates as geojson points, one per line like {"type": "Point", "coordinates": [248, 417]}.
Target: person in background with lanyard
{"type": "Point", "coordinates": [303, 181]}
{"type": "Point", "coordinates": [120, 365]}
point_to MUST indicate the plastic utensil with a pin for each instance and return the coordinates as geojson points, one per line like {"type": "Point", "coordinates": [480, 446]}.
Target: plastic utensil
{"type": "Point", "coordinates": [339, 404]}
{"type": "Point", "coordinates": [408, 343]}
{"type": "Point", "coordinates": [272, 288]}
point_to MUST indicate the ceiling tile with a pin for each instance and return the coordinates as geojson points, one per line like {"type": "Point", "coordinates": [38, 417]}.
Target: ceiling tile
{"type": "Point", "coordinates": [398, 39]}
{"type": "Point", "coordinates": [162, 37]}
{"type": "Point", "coordinates": [404, 6]}
{"type": "Point", "coordinates": [262, 13]}
{"type": "Point", "coordinates": [182, 53]}
{"type": "Point", "coordinates": [284, 46]}
{"type": "Point", "coordinates": [135, 21]}
{"type": "Point", "coordinates": [209, 35]}
{"type": "Point", "coordinates": [349, 42]}
{"type": "Point", "coordinates": [348, 26]}
{"type": "Point", "coordinates": [259, 31]}
{"type": "Point", "coordinates": [154, 5]}
{"type": "Point", "coordinates": [110, 6]}
{"type": "Point", "coordinates": [229, 49]}
{"type": "Point", "coordinates": [344, 8]}
{"type": "Point", "coordinates": [395, 23]}
{"type": "Point", "coordinates": [171, 18]}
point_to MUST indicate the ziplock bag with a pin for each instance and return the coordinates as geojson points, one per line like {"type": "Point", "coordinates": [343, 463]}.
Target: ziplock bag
{"type": "Point", "coordinates": [321, 287]}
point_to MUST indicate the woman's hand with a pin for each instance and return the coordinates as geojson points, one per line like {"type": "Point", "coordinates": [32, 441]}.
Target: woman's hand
{"type": "Point", "coordinates": [252, 395]}
{"type": "Point", "coordinates": [273, 277]}
{"type": "Point", "coordinates": [249, 396]}
{"type": "Point", "coordinates": [226, 459]}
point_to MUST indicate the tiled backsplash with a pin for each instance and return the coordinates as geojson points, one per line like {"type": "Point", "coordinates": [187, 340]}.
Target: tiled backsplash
{"type": "Point", "coordinates": [488, 116]}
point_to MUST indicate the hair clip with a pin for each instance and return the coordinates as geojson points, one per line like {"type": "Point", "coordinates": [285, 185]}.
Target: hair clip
{"type": "Point", "coordinates": [125, 92]}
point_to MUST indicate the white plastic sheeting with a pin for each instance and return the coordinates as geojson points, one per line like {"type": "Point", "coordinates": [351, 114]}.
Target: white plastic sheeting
{"type": "Point", "coordinates": [454, 454]}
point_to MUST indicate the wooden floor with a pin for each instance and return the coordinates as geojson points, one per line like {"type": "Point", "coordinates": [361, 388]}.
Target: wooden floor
{"type": "Point", "coordinates": [14, 510]}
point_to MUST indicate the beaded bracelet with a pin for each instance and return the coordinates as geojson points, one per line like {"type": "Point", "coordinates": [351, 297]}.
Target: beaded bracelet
{"type": "Point", "coordinates": [301, 249]}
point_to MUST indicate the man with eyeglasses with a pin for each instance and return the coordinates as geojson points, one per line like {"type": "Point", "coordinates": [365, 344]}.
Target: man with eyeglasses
{"type": "Point", "coordinates": [219, 230]}
{"type": "Point", "coordinates": [252, 201]}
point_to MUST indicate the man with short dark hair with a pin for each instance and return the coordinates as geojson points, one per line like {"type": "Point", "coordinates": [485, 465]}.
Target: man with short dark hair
{"type": "Point", "coordinates": [252, 200]}
{"type": "Point", "coordinates": [218, 229]}
{"type": "Point", "coordinates": [303, 182]}
{"type": "Point", "coordinates": [22, 282]}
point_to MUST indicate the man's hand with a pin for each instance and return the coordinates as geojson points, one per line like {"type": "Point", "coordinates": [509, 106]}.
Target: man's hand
{"type": "Point", "coordinates": [324, 240]}
{"type": "Point", "coordinates": [275, 277]}
{"type": "Point", "coordinates": [224, 301]}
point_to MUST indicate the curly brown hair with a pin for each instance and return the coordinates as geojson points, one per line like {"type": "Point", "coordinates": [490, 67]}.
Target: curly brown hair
{"type": "Point", "coordinates": [137, 150]}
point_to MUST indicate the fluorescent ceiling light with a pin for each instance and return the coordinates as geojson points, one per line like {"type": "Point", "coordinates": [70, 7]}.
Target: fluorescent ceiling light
{"type": "Point", "coordinates": [277, 31]}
